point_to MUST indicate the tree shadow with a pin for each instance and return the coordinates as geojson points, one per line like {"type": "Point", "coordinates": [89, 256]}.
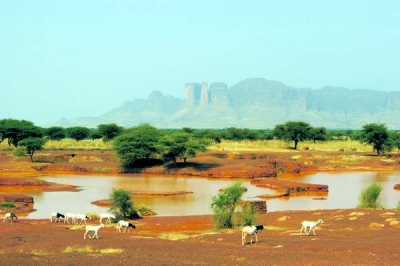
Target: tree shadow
{"type": "Point", "coordinates": [194, 165]}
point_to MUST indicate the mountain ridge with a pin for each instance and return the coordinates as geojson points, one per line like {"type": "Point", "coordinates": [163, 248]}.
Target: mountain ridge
{"type": "Point", "coordinates": [254, 103]}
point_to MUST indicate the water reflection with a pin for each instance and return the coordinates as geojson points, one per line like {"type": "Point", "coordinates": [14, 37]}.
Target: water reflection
{"type": "Point", "coordinates": [98, 187]}
{"type": "Point", "coordinates": [344, 189]}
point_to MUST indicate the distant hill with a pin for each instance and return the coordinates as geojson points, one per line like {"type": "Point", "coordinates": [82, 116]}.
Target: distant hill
{"type": "Point", "coordinates": [254, 103]}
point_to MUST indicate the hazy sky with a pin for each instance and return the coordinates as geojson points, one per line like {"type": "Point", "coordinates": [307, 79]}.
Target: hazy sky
{"type": "Point", "coordinates": [73, 58]}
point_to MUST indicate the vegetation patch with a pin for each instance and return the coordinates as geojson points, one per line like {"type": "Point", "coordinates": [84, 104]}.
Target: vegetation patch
{"type": "Point", "coordinates": [174, 236]}
{"type": "Point", "coordinates": [78, 249]}
{"type": "Point", "coordinates": [7, 205]}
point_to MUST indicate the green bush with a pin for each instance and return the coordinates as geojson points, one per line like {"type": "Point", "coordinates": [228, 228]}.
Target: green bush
{"type": "Point", "coordinates": [122, 205]}
{"type": "Point", "coordinates": [19, 152]}
{"type": "Point", "coordinates": [249, 214]}
{"type": "Point", "coordinates": [369, 198]}
{"type": "Point", "coordinates": [7, 205]}
{"type": "Point", "coordinates": [398, 206]}
{"type": "Point", "coordinates": [224, 204]}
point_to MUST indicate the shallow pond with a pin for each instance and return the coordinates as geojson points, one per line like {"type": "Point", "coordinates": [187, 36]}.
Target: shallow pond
{"type": "Point", "coordinates": [344, 189]}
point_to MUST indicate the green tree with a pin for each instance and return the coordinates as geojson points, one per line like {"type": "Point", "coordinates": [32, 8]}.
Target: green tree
{"type": "Point", "coordinates": [318, 133]}
{"type": "Point", "coordinates": [55, 133]}
{"type": "Point", "coordinates": [109, 131]}
{"type": "Point", "coordinates": [137, 144]}
{"type": "Point", "coordinates": [181, 145]}
{"type": "Point", "coordinates": [16, 130]}
{"type": "Point", "coordinates": [122, 204]}
{"type": "Point", "coordinates": [78, 133]}
{"type": "Point", "coordinates": [32, 144]}
{"type": "Point", "coordinates": [293, 131]}
{"type": "Point", "coordinates": [224, 203]}
{"type": "Point", "coordinates": [395, 139]}
{"type": "Point", "coordinates": [377, 136]}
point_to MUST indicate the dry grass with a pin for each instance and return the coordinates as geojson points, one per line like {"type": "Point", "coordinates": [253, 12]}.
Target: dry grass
{"type": "Point", "coordinates": [89, 249]}
{"type": "Point", "coordinates": [78, 249]}
{"type": "Point", "coordinates": [70, 144]}
{"type": "Point", "coordinates": [279, 145]}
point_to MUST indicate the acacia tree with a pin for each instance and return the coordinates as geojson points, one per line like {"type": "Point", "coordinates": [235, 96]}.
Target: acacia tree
{"type": "Point", "coordinates": [136, 144]}
{"type": "Point", "coordinates": [181, 145]}
{"type": "Point", "coordinates": [78, 133]}
{"type": "Point", "coordinates": [376, 135]}
{"type": "Point", "coordinates": [109, 131]}
{"type": "Point", "coordinates": [293, 131]}
{"type": "Point", "coordinates": [16, 130]}
{"type": "Point", "coordinates": [32, 144]}
{"type": "Point", "coordinates": [55, 133]}
{"type": "Point", "coordinates": [318, 133]}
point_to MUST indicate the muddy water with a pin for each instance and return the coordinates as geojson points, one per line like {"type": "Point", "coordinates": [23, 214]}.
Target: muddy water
{"type": "Point", "coordinates": [98, 187]}
{"type": "Point", "coordinates": [344, 189]}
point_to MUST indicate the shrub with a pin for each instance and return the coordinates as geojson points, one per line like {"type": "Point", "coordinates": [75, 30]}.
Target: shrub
{"type": "Point", "coordinates": [249, 214]}
{"type": "Point", "coordinates": [122, 205]}
{"type": "Point", "coordinates": [398, 206]}
{"type": "Point", "coordinates": [7, 205]}
{"type": "Point", "coordinates": [369, 198]}
{"type": "Point", "coordinates": [224, 204]}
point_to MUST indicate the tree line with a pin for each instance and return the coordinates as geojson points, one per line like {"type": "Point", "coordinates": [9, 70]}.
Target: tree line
{"type": "Point", "coordinates": [140, 144]}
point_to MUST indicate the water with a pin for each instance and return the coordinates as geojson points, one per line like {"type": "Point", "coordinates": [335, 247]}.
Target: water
{"type": "Point", "coordinates": [344, 189]}
{"type": "Point", "coordinates": [98, 187]}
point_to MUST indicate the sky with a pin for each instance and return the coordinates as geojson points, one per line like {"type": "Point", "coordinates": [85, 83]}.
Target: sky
{"type": "Point", "coordinates": [74, 58]}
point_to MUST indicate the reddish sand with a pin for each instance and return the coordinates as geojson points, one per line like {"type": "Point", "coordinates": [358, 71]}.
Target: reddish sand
{"type": "Point", "coordinates": [347, 237]}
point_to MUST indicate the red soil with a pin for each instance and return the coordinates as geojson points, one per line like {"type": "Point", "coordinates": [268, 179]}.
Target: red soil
{"type": "Point", "coordinates": [347, 237]}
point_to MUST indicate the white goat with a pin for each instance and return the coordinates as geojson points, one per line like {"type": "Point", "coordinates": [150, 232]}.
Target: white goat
{"type": "Point", "coordinates": [81, 217]}
{"type": "Point", "coordinates": [251, 230]}
{"type": "Point", "coordinates": [70, 215]}
{"type": "Point", "coordinates": [56, 216]}
{"type": "Point", "coordinates": [311, 225]}
{"type": "Point", "coordinates": [125, 224]}
{"type": "Point", "coordinates": [93, 228]}
{"type": "Point", "coordinates": [10, 215]}
{"type": "Point", "coordinates": [108, 216]}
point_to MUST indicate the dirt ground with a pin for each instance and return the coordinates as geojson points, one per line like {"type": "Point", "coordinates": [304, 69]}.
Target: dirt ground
{"type": "Point", "coordinates": [346, 237]}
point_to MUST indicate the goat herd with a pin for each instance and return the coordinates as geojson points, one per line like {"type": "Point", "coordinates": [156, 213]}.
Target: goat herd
{"type": "Point", "coordinates": [77, 218]}
{"type": "Point", "coordinates": [81, 218]}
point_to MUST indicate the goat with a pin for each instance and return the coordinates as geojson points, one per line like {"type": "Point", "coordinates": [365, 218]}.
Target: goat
{"type": "Point", "coordinates": [108, 216]}
{"type": "Point", "coordinates": [81, 217]}
{"type": "Point", "coordinates": [10, 215]}
{"type": "Point", "coordinates": [125, 224]}
{"type": "Point", "coordinates": [251, 230]}
{"type": "Point", "coordinates": [70, 215]}
{"type": "Point", "coordinates": [93, 228]}
{"type": "Point", "coordinates": [56, 216]}
{"type": "Point", "coordinates": [311, 225]}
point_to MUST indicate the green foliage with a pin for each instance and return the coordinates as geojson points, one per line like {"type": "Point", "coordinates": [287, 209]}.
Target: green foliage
{"type": "Point", "coordinates": [7, 205]}
{"type": "Point", "coordinates": [19, 152]}
{"type": "Point", "coordinates": [224, 203]}
{"type": "Point", "coordinates": [369, 198]}
{"type": "Point", "coordinates": [248, 215]}
{"type": "Point", "coordinates": [109, 131]}
{"type": "Point", "coordinates": [395, 140]}
{"type": "Point", "coordinates": [377, 136]}
{"type": "Point", "coordinates": [318, 133]}
{"type": "Point", "coordinates": [122, 204]}
{"type": "Point", "coordinates": [137, 143]}
{"type": "Point", "coordinates": [78, 133]}
{"type": "Point", "coordinates": [55, 133]}
{"type": "Point", "coordinates": [181, 145]}
{"type": "Point", "coordinates": [293, 131]}
{"type": "Point", "coordinates": [17, 130]}
{"type": "Point", "coordinates": [32, 144]}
